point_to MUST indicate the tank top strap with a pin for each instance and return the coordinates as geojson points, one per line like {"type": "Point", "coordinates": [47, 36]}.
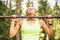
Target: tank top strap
{"type": "Point", "coordinates": [37, 22]}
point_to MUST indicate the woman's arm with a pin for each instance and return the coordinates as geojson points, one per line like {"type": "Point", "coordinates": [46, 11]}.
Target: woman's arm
{"type": "Point", "coordinates": [14, 29]}
{"type": "Point", "coordinates": [11, 32]}
{"type": "Point", "coordinates": [47, 29]}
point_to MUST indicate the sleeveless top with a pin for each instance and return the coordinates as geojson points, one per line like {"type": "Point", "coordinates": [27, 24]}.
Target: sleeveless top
{"type": "Point", "coordinates": [30, 31]}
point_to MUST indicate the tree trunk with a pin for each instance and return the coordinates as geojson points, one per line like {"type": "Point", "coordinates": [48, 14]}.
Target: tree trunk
{"type": "Point", "coordinates": [6, 8]}
{"type": "Point", "coordinates": [47, 37]}
{"type": "Point", "coordinates": [10, 7]}
{"type": "Point", "coordinates": [18, 36]}
{"type": "Point", "coordinates": [47, 7]}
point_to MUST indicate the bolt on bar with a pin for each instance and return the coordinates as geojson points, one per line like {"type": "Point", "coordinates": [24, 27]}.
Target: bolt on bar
{"type": "Point", "coordinates": [29, 17]}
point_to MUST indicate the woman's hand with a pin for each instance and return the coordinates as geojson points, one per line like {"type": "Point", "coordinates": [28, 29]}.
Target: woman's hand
{"type": "Point", "coordinates": [49, 19]}
{"type": "Point", "coordinates": [14, 18]}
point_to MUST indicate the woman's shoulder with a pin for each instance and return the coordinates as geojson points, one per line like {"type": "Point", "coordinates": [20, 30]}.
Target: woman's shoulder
{"type": "Point", "coordinates": [22, 20]}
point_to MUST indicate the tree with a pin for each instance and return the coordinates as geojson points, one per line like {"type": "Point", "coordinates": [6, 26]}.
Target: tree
{"type": "Point", "coordinates": [2, 8]}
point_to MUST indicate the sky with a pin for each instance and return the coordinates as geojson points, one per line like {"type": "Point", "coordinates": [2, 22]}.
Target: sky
{"type": "Point", "coordinates": [51, 3]}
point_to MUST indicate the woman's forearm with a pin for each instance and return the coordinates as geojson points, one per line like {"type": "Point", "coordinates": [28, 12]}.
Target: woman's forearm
{"type": "Point", "coordinates": [51, 29]}
{"type": "Point", "coordinates": [16, 28]}
{"type": "Point", "coordinates": [12, 28]}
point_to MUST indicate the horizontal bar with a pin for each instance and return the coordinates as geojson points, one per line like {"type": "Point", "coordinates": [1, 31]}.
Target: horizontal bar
{"type": "Point", "coordinates": [29, 17]}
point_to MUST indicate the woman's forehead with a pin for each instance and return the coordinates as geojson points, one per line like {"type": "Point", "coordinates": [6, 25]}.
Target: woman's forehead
{"type": "Point", "coordinates": [31, 8]}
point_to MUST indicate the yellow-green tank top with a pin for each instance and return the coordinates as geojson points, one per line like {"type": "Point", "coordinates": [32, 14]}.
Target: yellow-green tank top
{"type": "Point", "coordinates": [30, 31]}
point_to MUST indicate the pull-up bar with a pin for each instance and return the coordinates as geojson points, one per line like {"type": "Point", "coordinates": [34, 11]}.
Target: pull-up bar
{"type": "Point", "coordinates": [29, 17]}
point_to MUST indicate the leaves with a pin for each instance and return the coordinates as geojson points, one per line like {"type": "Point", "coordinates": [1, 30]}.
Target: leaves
{"type": "Point", "coordinates": [5, 23]}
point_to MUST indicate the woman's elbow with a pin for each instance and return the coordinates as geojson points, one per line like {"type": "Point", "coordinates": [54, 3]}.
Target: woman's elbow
{"type": "Point", "coordinates": [51, 34]}
{"type": "Point", "coordinates": [11, 35]}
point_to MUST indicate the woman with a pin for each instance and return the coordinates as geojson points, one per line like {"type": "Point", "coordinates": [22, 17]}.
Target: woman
{"type": "Point", "coordinates": [30, 27]}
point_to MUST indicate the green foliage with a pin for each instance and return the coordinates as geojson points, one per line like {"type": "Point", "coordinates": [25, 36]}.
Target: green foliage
{"type": "Point", "coordinates": [5, 23]}
{"type": "Point", "coordinates": [2, 8]}
{"type": "Point", "coordinates": [56, 22]}
{"type": "Point", "coordinates": [42, 8]}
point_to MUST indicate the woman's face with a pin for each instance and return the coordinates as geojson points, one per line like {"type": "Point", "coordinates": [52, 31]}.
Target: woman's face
{"type": "Point", "coordinates": [31, 11]}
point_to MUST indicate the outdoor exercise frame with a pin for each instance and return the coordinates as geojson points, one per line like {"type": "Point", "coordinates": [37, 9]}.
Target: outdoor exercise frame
{"type": "Point", "coordinates": [30, 17]}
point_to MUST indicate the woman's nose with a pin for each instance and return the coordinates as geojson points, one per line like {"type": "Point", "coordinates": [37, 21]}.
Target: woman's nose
{"type": "Point", "coordinates": [30, 9]}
